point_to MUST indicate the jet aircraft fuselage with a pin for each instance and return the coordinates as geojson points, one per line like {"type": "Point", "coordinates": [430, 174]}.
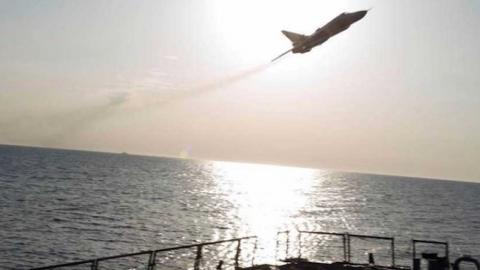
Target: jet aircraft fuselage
{"type": "Point", "coordinates": [303, 43]}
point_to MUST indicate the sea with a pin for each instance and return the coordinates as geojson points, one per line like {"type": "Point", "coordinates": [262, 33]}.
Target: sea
{"type": "Point", "coordinates": [59, 206]}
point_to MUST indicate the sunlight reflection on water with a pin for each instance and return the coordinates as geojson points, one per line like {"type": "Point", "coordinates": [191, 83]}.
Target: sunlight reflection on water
{"type": "Point", "coordinates": [266, 198]}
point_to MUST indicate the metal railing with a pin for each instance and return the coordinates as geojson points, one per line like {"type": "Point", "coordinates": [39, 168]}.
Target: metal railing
{"type": "Point", "coordinates": [346, 243]}
{"type": "Point", "coordinates": [287, 244]}
{"type": "Point", "coordinates": [344, 236]}
{"type": "Point", "coordinates": [94, 263]}
{"type": "Point", "coordinates": [416, 241]}
{"type": "Point", "coordinates": [390, 239]}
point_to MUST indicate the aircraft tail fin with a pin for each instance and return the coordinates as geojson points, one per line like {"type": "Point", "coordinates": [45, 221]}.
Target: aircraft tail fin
{"type": "Point", "coordinates": [294, 37]}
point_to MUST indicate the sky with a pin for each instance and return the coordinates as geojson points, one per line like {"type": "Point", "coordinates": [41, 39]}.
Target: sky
{"type": "Point", "coordinates": [397, 93]}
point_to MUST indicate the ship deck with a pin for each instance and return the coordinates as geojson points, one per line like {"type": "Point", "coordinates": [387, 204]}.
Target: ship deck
{"type": "Point", "coordinates": [308, 265]}
{"type": "Point", "coordinates": [295, 250]}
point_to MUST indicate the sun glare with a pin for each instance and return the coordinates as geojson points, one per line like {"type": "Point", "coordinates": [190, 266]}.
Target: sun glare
{"type": "Point", "coordinates": [254, 27]}
{"type": "Point", "coordinates": [266, 198]}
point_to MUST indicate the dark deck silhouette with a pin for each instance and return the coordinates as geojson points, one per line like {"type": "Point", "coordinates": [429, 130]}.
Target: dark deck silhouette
{"type": "Point", "coordinates": [244, 250]}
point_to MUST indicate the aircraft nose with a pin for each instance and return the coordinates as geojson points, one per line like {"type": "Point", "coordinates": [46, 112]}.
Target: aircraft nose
{"type": "Point", "coordinates": [359, 15]}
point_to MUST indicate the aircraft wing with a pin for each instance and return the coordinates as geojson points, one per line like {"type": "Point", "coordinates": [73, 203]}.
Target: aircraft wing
{"type": "Point", "coordinates": [281, 55]}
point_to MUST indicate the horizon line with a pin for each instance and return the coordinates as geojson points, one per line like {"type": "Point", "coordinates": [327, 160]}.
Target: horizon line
{"type": "Point", "coordinates": [244, 162]}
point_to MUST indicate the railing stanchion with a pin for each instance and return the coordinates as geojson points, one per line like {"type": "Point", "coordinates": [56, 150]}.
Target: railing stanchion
{"type": "Point", "coordinates": [447, 252]}
{"type": "Point", "coordinates": [414, 253]}
{"type": "Point", "coordinates": [299, 244]}
{"type": "Point", "coordinates": [237, 254]}
{"type": "Point", "coordinates": [344, 238]}
{"type": "Point", "coordinates": [151, 260]}
{"type": "Point", "coordinates": [393, 252]}
{"type": "Point", "coordinates": [277, 246]}
{"type": "Point", "coordinates": [254, 251]}
{"type": "Point", "coordinates": [94, 265]}
{"type": "Point", "coordinates": [287, 244]}
{"type": "Point", "coordinates": [198, 258]}
{"type": "Point", "coordinates": [349, 257]}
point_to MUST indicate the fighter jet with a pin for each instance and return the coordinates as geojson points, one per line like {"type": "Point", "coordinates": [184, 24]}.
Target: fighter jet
{"type": "Point", "coordinates": [303, 43]}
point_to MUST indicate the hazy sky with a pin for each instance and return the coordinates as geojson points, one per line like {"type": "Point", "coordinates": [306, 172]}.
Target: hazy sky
{"type": "Point", "coordinates": [396, 93]}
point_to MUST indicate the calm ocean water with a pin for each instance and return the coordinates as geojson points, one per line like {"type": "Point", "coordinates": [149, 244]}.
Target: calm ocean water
{"type": "Point", "coordinates": [58, 206]}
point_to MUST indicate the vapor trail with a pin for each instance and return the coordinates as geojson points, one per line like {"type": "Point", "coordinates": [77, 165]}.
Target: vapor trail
{"type": "Point", "coordinates": [81, 119]}
{"type": "Point", "coordinates": [216, 84]}
{"type": "Point", "coordinates": [55, 128]}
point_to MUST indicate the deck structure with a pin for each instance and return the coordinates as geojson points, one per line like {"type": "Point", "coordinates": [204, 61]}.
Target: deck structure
{"type": "Point", "coordinates": [293, 252]}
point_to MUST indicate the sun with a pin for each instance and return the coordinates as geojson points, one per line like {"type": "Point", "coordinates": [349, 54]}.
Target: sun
{"type": "Point", "coordinates": [249, 31]}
